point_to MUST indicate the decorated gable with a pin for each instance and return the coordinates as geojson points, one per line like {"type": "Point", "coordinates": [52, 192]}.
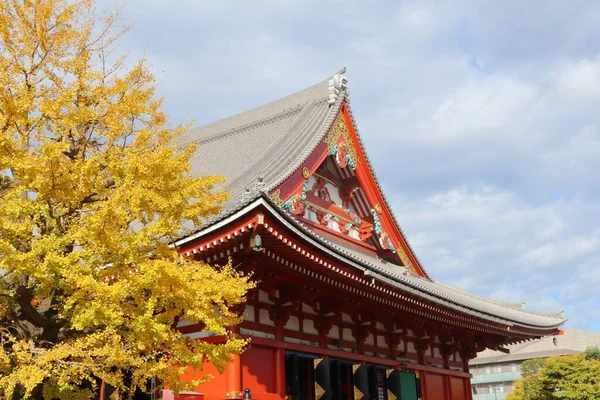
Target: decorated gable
{"type": "Point", "coordinates": [336, 193]}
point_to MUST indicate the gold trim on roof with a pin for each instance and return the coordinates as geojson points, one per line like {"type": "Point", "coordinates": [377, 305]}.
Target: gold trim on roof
{"type": "Point", "coordinates": [338, 129]}
{"type": "Point", "coordinates": [305, 172]}
{"type": "Point", "coordinates": [404, 258]}
{"type": "Point", "coordinates": [276, 197]}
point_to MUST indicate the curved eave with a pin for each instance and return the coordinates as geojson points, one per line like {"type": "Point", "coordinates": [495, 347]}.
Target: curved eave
{"type": "Point", "coordinates": [425, 289]}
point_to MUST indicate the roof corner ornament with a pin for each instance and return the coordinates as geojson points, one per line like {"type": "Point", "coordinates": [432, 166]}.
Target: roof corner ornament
{"type": "Point", "coordinates": [337, 83]}
{"type": "Point", "coordinates": [246, 195]}
{"type": "Point", "coordinates": [256, 243]}
{"type": "Point", "coordinates": [251, 191]}
{"type": "Point", "coordinates": [259, 185]}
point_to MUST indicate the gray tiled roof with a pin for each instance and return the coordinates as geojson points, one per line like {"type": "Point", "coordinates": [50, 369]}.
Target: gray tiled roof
{"type": "Point", "coordinates": [272, 141]}
{"type": "Point", "coordinates": [452, 296]}
{"type": "Point", "coordinates": [571, 341]}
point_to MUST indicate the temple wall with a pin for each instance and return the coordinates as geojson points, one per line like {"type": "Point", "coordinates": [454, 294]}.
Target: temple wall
{"type": "Point", "coordinates": [435, 387]}
{"type": "Point", "coordinates": [259, 368]}
{"type": "Point", "coordinates": [213, 389]}
{"type": "Point", "coordinates": [258, 372]}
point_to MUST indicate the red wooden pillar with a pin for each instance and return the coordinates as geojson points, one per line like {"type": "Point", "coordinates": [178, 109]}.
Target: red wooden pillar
{"type": "Point", "coordinates": [448, 387]}
{"type": "Point", "coordinates": [468, 389]}
{"type": "Point", "coordinates": [279, 364]}
{"type": "Point", "coordinates": [233, 374]}
{"type": "Point", "coordinates": [423, 379]}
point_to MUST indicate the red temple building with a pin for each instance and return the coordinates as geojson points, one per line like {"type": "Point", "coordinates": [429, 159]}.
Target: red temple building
{"type": "Point", "coordinates": [343, 308]}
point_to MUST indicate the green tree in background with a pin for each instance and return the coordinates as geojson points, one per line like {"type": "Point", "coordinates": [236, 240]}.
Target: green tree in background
{"type": "Point", "coordinates": [572, 377]}
{"type": "Point", "coordinates": [530, 367]}
{"type": "Point", "coordinates": [592, 353]}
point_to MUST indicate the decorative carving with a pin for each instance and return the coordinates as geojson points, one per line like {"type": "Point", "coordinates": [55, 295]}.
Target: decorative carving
{"type": "Point", "coordinates": [376, 222]}
{"type": "Point", "coordinates": [422, 345]}
{"type": "Point", "coordinates": [378, 208]}
{"type": "Point", "coordinates": [324, 325]}
{"type": "Point", "coordinates": [280, 315]}
{"type": "Point", "coordinates": [362, 332]}
{"type": "Point", "coordinates": [319, 391]}
{"type": "Point", "coordinates": [294, 205]}
{"type": "Point", "coordinates": [446, 350]}
{"type": "Point", "coordinates": [304, 190]}
{"type": "Point", "coordinates": [358, 395]}
{"type": "Point", "coordinates": [339, 129]}
{"type": "Point", "coordinates": [386, 243]}
{"type": "Point", "coordinates": [394, 340]}
{"type": "Point", "coordinates": [305, 172]}
{"type": "Point", "coordinates": [342, 157]}
{"type": "Point", "coordinates": [400, 251]}
{"type": "Point", "coordinates": [276, 197]}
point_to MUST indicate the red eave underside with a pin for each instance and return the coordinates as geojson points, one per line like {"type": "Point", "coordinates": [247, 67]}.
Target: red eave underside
{"type": "Point", "coordinates": [292, 256]}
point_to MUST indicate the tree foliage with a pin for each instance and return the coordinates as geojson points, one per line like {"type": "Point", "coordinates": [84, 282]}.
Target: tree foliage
{"type": "Point", "coordinates": [592, 353]}
{"type": "Point", "coordinates": [92, 191]}
{"type": "Point", "coordinates": [572, 377]}
{"type": "Point", "coordinates": [532, 366]}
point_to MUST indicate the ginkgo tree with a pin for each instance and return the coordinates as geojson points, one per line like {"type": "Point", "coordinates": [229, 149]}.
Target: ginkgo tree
{"type": "Point", "coordinates": [93, 190]}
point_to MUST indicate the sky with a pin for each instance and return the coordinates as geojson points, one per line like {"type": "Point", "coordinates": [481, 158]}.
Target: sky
{"type": "Point", "coordinates": [481, 119]}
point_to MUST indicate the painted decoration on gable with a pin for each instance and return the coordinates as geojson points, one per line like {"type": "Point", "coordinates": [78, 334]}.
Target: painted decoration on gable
{"type": "Point", "coordinates": [276, 197]}
{"type": "Point", "coordinates": [294, 205]}
{"type": "Point", "coordinates": [386, 243]}
{"type": "Point", "coordinates": [384, 239]}
{"type": "Point", "coordinates": [332, 197]}
{"type": "Point", "coordinates": [342, 156]}
{"type": "Point", "coordinates": [339, 134]}
{"type": "Point", "coordinates": [322, 201]}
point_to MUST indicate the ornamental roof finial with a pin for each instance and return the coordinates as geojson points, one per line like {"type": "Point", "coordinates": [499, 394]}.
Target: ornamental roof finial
{"type": "Point", "coordinates": [260, 184]}
{"type": "Point", "coordinates": [337, 83]}
{"type": "Point", "coordinates": [246, 195]}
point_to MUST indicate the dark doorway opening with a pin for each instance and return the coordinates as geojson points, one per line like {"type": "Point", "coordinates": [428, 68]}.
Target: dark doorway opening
{"type": "Point", "coordinates": [299, 376]}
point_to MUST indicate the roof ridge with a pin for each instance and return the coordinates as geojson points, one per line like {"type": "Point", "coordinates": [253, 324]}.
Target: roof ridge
{"type": "Point", "coordinates": [315, 142]}
{"type": "Point", "coordinates": [267, 106]}
{"type": "Point", "coordinates": [556, 315]}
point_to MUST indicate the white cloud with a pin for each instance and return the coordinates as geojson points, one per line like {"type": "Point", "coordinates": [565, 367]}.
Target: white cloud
{"type": "Point", "coordinates": [491, 242]}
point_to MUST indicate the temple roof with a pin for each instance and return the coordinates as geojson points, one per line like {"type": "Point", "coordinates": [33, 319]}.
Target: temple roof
{"type": "Point", "coordinates": [393, 275]}
{"type": "Point", "coordinates": [268, 142]}
{"type": "Point", "coordinates": [259, 149]}
{"type": "Point", "coordinates": [571, 341]}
